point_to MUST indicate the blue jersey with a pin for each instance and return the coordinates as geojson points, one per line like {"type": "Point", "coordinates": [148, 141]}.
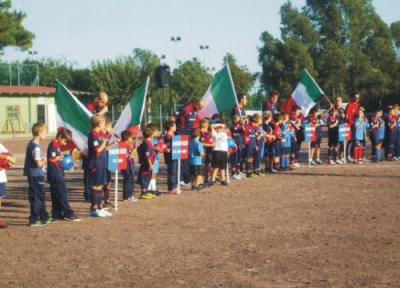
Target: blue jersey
{"type": "Point", "coordinates": [97, 159]}
{"type": "Point", "coordinates": [286, 135]}
{"type": "Point", "coordinates": [33, 154]}
{"type": "Point", "coordinates": [196, 149]}
{"type": "Point", "coordinates": [360, 126]}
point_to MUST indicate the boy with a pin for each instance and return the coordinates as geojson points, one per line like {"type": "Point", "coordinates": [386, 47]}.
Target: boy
{"type": "Point", "coordinates": [286, 142]}
{"type": "Point", "coordinates": [155, 141]}
{"type": "Point", "coordinates": [277, 144]}
{"type": "Point", "coordinates": [269, 140]}
{"type": "Point", "coordinates": [108, 134]}
{"type": "Point", "coordinates": [252, 139]}
{"type": "Point", "coordinates": [172, 165]}
{"type": "Point", "coordinates": [207, 140]}
{"type": "Point", "coordinates": [360, 126]}
{"type": "Point", "coordinates": [296, 120]}
{"type": "Point", "coordinates": [34, 167]}
{"type": "Point", "coordinates": [220, 153]}
{"type": "Point", "coordinates": [314, 121]}
{"type": "Point", "coordinates": [97, 154]}
{"type": "Point", "coordinates": [55, 176]}
{"type": "Point", "coordinates": [333, 137]}
{"type": "Point", "coordinates": [196, 155]}
{"type": "Point", "coordinates": [9, 161]}
{"type": "Point", "coordinates": [377, 134]}
{"type": "Point", "coordinates": [147, 154]}
{"type": "Point", "coordinates": [236, 158]}
{"type": "Point", "coordinates": [128, 174]}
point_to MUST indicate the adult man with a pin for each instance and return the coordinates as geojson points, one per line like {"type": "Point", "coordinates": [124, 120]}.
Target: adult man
{"type": "Point", "coordinates": [351, 113]}
{"type": "Point", "coordinates": [238, 110]}
{"type": "Point", "coordinates": [270, 105]}
{"type": "Point", "coordinates": [99, 106]}
{"type": "Point", "coordinates": [187, 118]}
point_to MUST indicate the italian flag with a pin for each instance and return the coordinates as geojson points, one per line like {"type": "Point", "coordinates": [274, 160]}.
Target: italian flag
{"type": "Point", "coordinates": [220, 95]}
{"type": "Point", "coordinates": [306, 95]}
{"type": "Point", "coordinates": [73, 115]}
{"type": "Point", "coordinates": [132, 114]}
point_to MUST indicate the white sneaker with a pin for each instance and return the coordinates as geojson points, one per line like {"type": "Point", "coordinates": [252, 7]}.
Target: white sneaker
{"type": "Point", "coordinates": [338, 161]}
{"type": "Point", "coordinates": [236, 177]}
{"type": "Point", "coordinates": [313, 162]}
{"type": "Point", "coordinates": [105, 213]}
{"type": "Point", "coordinates": [318, 161]}
{"type": "Point", "coordinates": [332, 162]}
{"type": "Point", "coordinates": [97, 213]}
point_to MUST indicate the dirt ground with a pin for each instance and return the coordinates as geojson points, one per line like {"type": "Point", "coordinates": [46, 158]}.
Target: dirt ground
{"type": "Point", "coordinates": [328, 226]}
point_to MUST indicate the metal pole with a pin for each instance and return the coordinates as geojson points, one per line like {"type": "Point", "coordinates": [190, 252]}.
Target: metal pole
{"type": "Point", "coordinates": [161, 125]}
{"type": "Point", "coordinates": [9, 68]}
{"type": "Point", "coordinates": [116, 190]}
{"type": "Point", "coordinates": [18, 74]}
{"type": "Point", "coordinates": [179, 176]}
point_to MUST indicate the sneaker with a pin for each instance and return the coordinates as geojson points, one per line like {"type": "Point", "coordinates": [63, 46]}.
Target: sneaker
{"type": "Point", "coordinates": [155, 193]}
{"type": "Point", "coordinates": [175, 191]}
{"type": "Point", "coordinates": [224, 183]}
{"type": "Point", "coordinates": [242, 175]}
{"type": "Point", "coordinates": [131, 199]}
{"type": "Point", "coordinates": [183, 183]}
{"type": "Point", "coordinates": [236, 177]}
{"type": "Point", "coordinates": [73, 219]}
{"type": "Point", "coordinates": [319, 161]}
{"type": "Point", "coordinates": [212, 183]}
{"type": "Point", "coordinates": [96, 213]}
{"type": "Point", "coordinates": [396, 158]}
{"type": "Point", "coordinates": [332, 162]}
{"type": "Point", "coordinates": [108, 204]}
{"type": "Point", "coordinates": [105, 212]}
{"type": "Point", "coordinates": [3, 224]}
{"type": "Point", "coordinates": [313, 162]}
{"type": "Point", "coordinates": [147, 196]}
{"type": "Point", "coordinates": [38, 223]}
{"type": "Point", "coordinates": [338, 161]}
{"type": "Point", "coordinates": [50, 220]}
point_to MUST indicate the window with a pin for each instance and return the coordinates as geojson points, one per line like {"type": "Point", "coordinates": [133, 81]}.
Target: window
{"type": "Point", "coordinates": [41, 113]}
{"type": "Point", "coordinates": [13, 112]}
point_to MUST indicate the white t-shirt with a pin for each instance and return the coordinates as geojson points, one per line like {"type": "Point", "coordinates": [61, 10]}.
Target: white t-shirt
{"type": "Point", "coordinates": [3, 176]}
{"type": "Point", "coordinates": [220, 140]}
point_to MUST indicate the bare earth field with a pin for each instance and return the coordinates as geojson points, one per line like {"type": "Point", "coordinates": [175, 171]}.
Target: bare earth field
{"type": "Point", "coordinates": [328, 226]}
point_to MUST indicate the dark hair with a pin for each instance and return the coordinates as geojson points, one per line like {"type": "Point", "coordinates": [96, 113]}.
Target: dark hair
{"type": "Point", "coordinates": [37, 128]}
{"type": "Point", "coordinates": [277, 117]}
{"type": "Point", "coordinates": [169, 124]}
{"type": "Point", "coordinates": [274, 92]}
{"type": "Point", "coordinates": [64, 133]}
{"type": "Point", "coordinates": [354, 93]}
{"type": "Point", "coordinates": [295, 108]}
{"type": "Point", "coordinates": [125, 135]}
{"type": "Point", "coordinates": [153, 127]}
{"type": "Point", "coordinates": [240, 96]}
{"type": "Point", "coordinates": [313, 110]}
{"type": "Point", "coordinates": [147, 133]}
{"type": "Point", "coordinates": [195, 132]}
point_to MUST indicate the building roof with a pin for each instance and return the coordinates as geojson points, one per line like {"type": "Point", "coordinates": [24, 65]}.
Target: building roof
{"type": "Point", "coordinates": [31, 90]}
{"type": "Point", "coordinates": [27, 90]}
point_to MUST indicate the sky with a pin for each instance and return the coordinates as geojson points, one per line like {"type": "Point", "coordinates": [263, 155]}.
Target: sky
{"type": "Point", "coordinates": [90, 30]}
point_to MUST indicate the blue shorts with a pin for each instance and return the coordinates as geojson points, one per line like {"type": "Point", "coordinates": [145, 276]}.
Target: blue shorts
{"type": "Point", "coordinates": [3, 192]}
{"type": "Point", "coordinates": [99, 177]}
{"type": "Point", "coordinates": [269, 150]}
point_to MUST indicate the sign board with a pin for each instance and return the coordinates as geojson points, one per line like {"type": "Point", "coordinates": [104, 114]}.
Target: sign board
{"type": "Point", "coordinates": [180, 147]}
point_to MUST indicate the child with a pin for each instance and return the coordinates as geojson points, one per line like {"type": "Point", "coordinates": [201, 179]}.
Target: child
{"type": "Point", "coordinates": [34, 167]}
{"type": "Point", "coordinates": [269, 136]}
{"type": "Point", "coordinates": [390, 133]}
{"type": "Point", "coordinates": [236, 158]}
{"type": "Point", "coordinates": [314, 121]}
{"type": "Point", "coordinates": [172, 165]}
{"type": "Point", "coordinates": [296, 120]}
{"type": "Point", "coordinates": [128, 174]}
{"type": "Point", "coordinates": [286, 143]}
{"type": "Point", "coordinates": [196, 155]}
{"type": "Point", "coordinates": [277, 144]}
{"type": "Point", "coordinates": [97, 154]}
{"type": "Point", "coordinates": [9, 161]}
{"type": "Point", "coordinates": [55, 176]}
{"type": "Point", "coordinates": [252, 138]}
{"type": "Point", "coordinates": [108, 133]}
{"type": "Point", "coordinates": [376, 134]}
{"type": "Point", "coordinates": [156, 136]}
{"type": "Point", "coordinates": [360, 126]}
{"type": "Point", "coordinates": [147, 154]}
{"type": "Point", "coordinates": [208, 144]}
{"type": "Point", "coordinates": [333, 137]}
{"type": "Point", "coordinates": [220, 153]}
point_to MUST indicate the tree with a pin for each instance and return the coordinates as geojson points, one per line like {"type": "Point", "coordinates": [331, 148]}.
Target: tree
{"type": "Point", "coordinates": [190, 80]}
{"type": "Point", "coordinates": [242, 78]}
{"type": "Point", "coordinates": [12, 32]}
{"type": "Point", "coordinates": [343, 43]}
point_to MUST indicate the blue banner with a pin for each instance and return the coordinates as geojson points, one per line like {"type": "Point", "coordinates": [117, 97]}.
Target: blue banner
{"type": "Point", "coordinates": [342, 132]}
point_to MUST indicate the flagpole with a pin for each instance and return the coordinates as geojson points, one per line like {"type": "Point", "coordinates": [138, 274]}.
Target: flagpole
{"type": "Point", "coordinates": [179, 175]}
{"type": "Point", "coordinates": [141, 112]}
{"type": "Point", "coordinates": [233, 87]}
